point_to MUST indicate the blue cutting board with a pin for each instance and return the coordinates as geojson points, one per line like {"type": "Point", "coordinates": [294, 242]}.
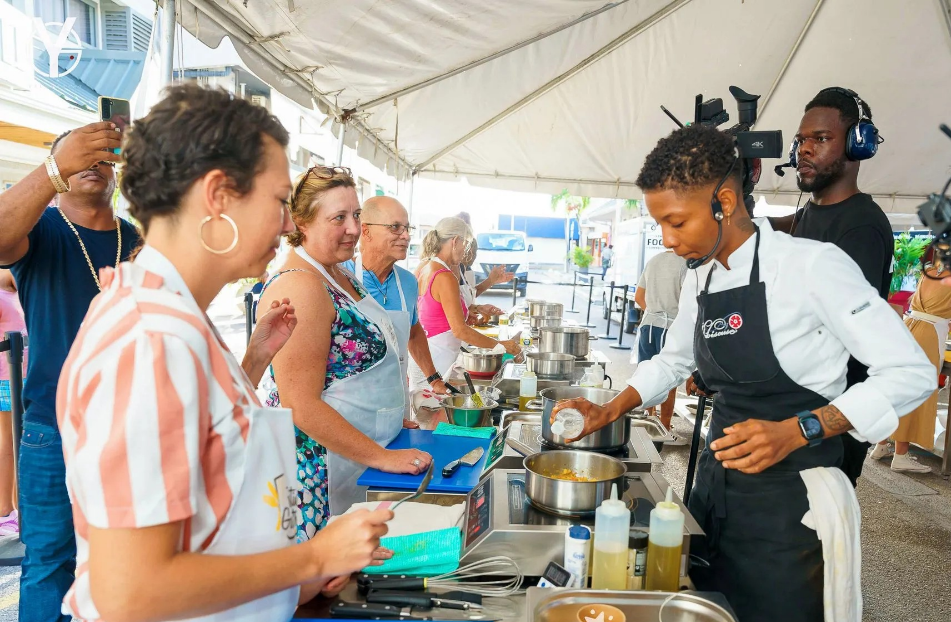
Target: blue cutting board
{"type": "Point", "coordinates": [443, 449]}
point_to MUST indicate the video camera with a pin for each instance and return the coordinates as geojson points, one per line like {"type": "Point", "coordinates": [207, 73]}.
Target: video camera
{"type": "Point", "coordinates": [752, 146]}
{"type": "Point", "coordinates": [935, 213]}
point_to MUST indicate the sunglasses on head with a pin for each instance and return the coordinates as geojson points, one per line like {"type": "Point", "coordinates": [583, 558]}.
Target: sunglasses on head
{"type": "Point", "coordinates": [322, 172]}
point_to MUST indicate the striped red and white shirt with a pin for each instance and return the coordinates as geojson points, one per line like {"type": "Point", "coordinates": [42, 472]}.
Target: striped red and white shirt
{"type": "Point", "coordinates": [154, 414]}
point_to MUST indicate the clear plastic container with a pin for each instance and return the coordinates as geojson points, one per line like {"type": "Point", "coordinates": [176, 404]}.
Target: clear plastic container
{"type": "Point", "coordinates": [568, 423]}
{"type": "Point", "coordinates": [593, 377]}
{"type": "Point", "coordinates": [665, 541]}
{"type": "Point", "coordinates": [527, 389]}
{"type": "Point", "coordinates": [612, 523]}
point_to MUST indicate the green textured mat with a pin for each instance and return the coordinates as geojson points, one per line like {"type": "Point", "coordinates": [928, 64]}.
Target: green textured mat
{"type": "Point", "coordinates": [425, 554]}
{"type": "Point", "coordinates": [447, 429]}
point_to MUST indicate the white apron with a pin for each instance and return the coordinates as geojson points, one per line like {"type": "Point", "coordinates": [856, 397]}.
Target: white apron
{"type": "Point", "coordinates": [263, 514]}
{"type": "Point", "coordinates": [941, 326]}
{"type": "Point", "coordinates": [371, 401]}
{"type": "Point", "coordinates": [444, 349]}
{"type": "Point", "coordinates": [401, 324]}
{"type": "Point", "coordinates": [468, 288]}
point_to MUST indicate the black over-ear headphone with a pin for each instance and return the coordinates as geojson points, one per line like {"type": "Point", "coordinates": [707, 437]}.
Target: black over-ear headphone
{"type": "Point", "coordinates": [861, 139]}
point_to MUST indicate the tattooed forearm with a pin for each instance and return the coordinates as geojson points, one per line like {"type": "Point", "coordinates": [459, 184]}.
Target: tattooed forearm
{"type": "Point", "coordinates": [833, 421]}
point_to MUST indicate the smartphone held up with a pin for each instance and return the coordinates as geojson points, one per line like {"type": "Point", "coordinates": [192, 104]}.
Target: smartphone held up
{"type": "Point", "coordinates": [116, 111]}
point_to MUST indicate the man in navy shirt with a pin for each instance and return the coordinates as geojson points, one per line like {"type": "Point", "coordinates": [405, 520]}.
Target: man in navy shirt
{"type": "Point", "coordinates": [384, 239]}
{"type": "Point", "coordinates": [55, 255]}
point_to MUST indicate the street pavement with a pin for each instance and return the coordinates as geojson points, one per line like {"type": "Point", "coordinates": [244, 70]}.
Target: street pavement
{"type": "Point", "coordinates": [906, 519]}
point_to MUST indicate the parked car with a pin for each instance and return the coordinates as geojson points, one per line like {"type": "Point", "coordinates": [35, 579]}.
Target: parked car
{"type": "Point", "coordinates": [508, 248]}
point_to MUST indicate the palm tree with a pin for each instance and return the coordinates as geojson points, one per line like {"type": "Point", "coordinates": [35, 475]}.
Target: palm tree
{"type": "Point", "coordinates": [571, 203]}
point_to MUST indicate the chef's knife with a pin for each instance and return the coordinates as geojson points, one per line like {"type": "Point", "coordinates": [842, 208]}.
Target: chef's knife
{"type": "Point", "coordinates": [425, 600]}
{"type": "Point", "coordinates": [470, 459]}
{"type": "Point", "coordinates": [376, 611]}
{"type": "Point", "coordinates": [369, 611]}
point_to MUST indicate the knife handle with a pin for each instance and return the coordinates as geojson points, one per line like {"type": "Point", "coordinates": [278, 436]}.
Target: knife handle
{"type": "Point", "coordinates": [366, 611]}
{"type": "Point", "coordinates": [401, 599]}
{"type": "Point", "coordinates": [451, 468]}
{"type": "Point", "coordinates": [390, 582]}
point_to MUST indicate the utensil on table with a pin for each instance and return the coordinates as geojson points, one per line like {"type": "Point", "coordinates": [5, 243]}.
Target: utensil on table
{"type": "Point", "coordinates": [476, 398]}
{"type": "Point", "coordinates": [419, 491]}
{"type": "Point", "coordinates": [469, 459]}
{"type": "Point", "coordinates": [497, 576]}
{"type": "Point", "coordinates": [425, 600]}
{"type": "Point", "coordinates": [567, 497]}
{"type": "Point", "coordinates": [615, 434]}
{"type": "Point", "coordinates": [565, 339]}
{"type": "Point", "coordinates": [461, 411]}
{"type": "Point", "coordinates": [380, 611]}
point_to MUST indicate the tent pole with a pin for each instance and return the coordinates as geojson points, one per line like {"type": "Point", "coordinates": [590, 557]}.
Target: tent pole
{"type": "Point", "coordinates": [789, 57]}
{"type": "Point", "coordinates": [409, 200]}
{"type": "Point", "coordinates": [343, 137]}
{"type": "Point", "coordinates": [481, 61]}
{"type": "Point", "coordinates": [238, 33]}
{"type": "Point", "coordinates": [668, 9]}
{"type": "Point", "coordinates": [168, 33]}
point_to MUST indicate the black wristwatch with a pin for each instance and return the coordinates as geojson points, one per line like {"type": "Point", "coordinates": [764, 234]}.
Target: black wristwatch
{"type": "Point", "coordinates": [433, 378]}
{"type": "Point", "coordinates": [811, 427]}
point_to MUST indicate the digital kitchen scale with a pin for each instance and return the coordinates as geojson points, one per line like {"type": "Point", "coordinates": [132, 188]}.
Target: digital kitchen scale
{"type": "Point", "coordinates": [523, 437]}
{"type": "Point", "coordinates": [500, 520]}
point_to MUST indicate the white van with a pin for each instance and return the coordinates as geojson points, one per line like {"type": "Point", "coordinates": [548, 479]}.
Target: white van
{"type": "Point", "coordinates": [508, 248]}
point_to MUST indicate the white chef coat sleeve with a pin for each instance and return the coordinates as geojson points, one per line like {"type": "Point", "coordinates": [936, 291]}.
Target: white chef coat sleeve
{"type": "Point", "coordinates": [654, 379]}
{"type": "Point", "coordinates": [900, 376]}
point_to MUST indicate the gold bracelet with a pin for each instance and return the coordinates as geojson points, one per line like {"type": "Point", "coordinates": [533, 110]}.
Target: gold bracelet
{"type": "Point", "coordinates": [59, 184]}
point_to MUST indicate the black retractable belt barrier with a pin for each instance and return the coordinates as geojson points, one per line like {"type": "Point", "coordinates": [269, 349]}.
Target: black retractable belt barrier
{"type": "Point", "coordinates": [607, 315]}
{"type": "Point", "coordinates": [619, 345]}
{"type": "Point", "coordinates": [574, 283]}
{"type": "Point", "coordinates": [587, 322]}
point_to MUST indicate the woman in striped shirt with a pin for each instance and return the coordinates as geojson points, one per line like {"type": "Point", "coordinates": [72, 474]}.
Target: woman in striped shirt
{"type": "Point", "coordinates": [171, 459]}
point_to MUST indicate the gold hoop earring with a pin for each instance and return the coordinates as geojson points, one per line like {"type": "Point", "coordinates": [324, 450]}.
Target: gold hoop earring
{"type": "Point", "coordinates": [201, 236]}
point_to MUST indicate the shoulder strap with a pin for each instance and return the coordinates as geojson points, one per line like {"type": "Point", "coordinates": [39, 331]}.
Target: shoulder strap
{"type": "Point", "coordinates": [429, 290]}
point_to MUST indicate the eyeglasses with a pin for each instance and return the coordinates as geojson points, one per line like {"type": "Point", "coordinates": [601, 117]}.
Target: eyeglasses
{"type": "Point", "coordinates": [322, 172]}
{"type": "Point", "coordinates": [395, 228]}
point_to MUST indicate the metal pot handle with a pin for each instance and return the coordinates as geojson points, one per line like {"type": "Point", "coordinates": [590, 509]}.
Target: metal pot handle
{"type": "Point", "coordinates": [534, 405]}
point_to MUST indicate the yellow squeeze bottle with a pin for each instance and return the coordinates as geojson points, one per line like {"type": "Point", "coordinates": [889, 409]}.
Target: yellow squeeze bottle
{"type": "Point", "coordinates": [664, 544]}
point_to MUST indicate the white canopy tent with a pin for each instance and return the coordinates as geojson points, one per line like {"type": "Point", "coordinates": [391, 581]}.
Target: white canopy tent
{"type": "Point", "coordinates": [542, 95]}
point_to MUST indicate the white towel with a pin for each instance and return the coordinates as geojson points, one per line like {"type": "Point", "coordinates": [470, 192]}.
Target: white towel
{"type": "Point", "coordinates": [835, 515]}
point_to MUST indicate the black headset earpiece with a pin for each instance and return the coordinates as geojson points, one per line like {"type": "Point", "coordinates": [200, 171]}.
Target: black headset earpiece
{"type": "Point", "coordinates": [862, 138]}
{"type": "Point", "coordinates": [715, 201]}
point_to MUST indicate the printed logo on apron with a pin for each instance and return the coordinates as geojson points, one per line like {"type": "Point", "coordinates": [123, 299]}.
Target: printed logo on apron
{"type": "Point", "coordinates": [285, 504]}
{"type": "Point", "coordinates": [722, 327]}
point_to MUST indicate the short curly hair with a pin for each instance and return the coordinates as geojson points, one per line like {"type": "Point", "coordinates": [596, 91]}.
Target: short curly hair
{"type": "Point", "coordinates": [688, 158]}
{"type": "Point", "coordinates": [834, 97]}
{"type": "Point", "coordinates": [192, 131]}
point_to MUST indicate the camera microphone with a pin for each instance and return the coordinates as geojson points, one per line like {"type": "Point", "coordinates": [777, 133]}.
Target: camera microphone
{"type": "Point", "coordinates": [779, 169]}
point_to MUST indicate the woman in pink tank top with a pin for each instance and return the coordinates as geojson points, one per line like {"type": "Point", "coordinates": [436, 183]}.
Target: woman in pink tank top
{"type": "Point", "coordinates": [442, 311]}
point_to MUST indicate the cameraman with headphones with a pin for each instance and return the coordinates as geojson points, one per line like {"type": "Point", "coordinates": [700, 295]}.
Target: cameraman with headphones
{"type": "Point", "coordinates": [835, 135]}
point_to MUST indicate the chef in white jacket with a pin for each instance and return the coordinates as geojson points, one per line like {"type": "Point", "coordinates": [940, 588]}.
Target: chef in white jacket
{"type": "Point", "coordinates": [769, 321]}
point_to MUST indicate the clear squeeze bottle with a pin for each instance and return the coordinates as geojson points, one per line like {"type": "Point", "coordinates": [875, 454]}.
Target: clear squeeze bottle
{"type": "Point", "coordinates": [665, 540]}
{"type": "Point", "coordinates": [569, 422]}
{"type": "Point", "coordinates": [527, 389]}
{"type": "Point", "coordinates": [612, 523]}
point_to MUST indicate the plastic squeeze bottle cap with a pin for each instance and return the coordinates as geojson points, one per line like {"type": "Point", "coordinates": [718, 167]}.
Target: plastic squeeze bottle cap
{"type": "Point", "coordinates": [667, 509]}
{"type": "Point", "coordinates": [614, 506]}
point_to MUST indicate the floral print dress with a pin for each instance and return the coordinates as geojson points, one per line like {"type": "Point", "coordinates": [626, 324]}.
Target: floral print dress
{"type": "Point", "coordinates": [356, 345]}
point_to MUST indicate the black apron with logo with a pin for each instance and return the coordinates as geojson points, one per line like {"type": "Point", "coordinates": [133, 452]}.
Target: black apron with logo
{"type": "Point", "coordinates": [766, 562]}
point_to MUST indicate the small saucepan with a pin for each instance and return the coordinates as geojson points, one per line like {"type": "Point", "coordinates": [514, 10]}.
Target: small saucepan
{"type": "Point", "coordinates": [551, 480]}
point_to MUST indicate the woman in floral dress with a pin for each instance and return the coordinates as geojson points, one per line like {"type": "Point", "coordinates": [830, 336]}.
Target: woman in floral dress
{"type": "Point", "coordinates": [339, 372]}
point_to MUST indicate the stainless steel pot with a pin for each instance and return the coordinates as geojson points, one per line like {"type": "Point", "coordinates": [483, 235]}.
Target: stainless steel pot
{"type": "Point", "coordinates": [550, 365]}
{"type": "Point", "coordinates": [564, 339]}
{"type": "Point", "coordinates": [482, 361]}
{"type": "Point", "coordinates": [543, 321]}
{"type": "Point", "coordinates": [461, 411]}
{"type": "Point", "coordinates": [548, 309]}
{"type": "Point", "coordinates": [611, 436]}
{"type": "Point", "coordinates": [561, 496]}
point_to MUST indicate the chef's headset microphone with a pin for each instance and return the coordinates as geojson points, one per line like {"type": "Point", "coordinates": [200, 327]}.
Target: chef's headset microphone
{"type": "Point", "coordinates": [717, 209]}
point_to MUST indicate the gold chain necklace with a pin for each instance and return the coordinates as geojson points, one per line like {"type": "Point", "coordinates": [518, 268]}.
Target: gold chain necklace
{"type": "Point", "coordinates": [83, 246]}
